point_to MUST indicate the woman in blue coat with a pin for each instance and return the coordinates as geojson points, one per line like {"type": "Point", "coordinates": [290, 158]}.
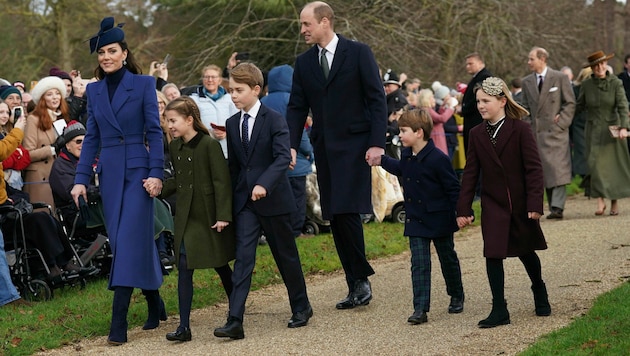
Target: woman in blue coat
{"type": "Point", "coordinates": [124, 124]}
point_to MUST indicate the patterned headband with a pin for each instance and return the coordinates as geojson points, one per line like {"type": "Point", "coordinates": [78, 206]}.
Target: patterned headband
{"type": "Point", "coordinates": [493, 86]}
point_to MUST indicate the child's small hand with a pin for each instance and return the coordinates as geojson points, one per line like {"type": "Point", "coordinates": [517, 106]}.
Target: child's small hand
{"type": "Point", "coordinates": [533, 215]}
{"type": "Point", "coordinates": [220, 225]}
{"type": "Point", "coordinates": [258, 192]}
{"type": "Point", "coordinates": [464, 220]}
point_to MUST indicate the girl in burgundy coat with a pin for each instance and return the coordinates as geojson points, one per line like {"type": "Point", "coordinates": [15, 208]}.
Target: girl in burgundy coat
{"type": "Point", "coordinates": [502, 153]}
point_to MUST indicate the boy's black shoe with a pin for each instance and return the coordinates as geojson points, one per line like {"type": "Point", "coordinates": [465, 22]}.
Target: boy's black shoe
{"type": "Point", "coordinates": [418, 317]}
{"type": "Point", "coordinates": [456, 306]}
{"type": "Point", "coordinates": [232, 329]}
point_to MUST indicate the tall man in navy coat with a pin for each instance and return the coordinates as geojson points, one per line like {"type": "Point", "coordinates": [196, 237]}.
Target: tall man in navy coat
{"type": "Point", "coordinates": [346, 96]}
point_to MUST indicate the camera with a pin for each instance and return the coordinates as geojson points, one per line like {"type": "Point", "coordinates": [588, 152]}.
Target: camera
{"type": "Point", "coordinates": [17, 112]}
{"type": "Point", "coordinates": [242, 56]}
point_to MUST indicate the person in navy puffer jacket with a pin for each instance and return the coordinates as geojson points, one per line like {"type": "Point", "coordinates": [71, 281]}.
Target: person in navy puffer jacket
{"type": "Point", "coordinates": [279, 89]}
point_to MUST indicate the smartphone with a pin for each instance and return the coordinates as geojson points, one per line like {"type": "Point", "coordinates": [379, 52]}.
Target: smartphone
{"type": "Point", "coordinates": [242, 56]}
{"type": "Point", "coordinates": [17, 112]}
{"type": "Point", "coordinates": [166, 59]}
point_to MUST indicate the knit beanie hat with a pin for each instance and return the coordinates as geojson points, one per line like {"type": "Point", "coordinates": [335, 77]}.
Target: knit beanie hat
{"type": "Point", "coordinates": [73, 130]}
{"type": "Point", "coordinates": [56, 72]}
{"type": "Point", "coordinates": [7, 90]}
{"type": "Point", "coordinates": [441, 93]}
{"type": "Point", "coordinates": [45, 84]}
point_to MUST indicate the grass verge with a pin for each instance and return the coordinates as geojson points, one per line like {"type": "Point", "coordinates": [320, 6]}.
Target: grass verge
{"type": "Point", "coordinates": [74, 314]}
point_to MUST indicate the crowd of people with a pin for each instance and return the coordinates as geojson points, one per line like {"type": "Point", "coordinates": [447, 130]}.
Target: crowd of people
{"type": "Point", "coordinates": [232, 153]}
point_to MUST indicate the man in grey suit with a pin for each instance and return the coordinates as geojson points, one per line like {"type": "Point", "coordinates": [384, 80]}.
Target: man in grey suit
{"type": "Point", "coordinates": [549, 98]}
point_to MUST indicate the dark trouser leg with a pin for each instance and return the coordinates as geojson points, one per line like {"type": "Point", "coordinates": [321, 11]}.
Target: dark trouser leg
{"type": "Point", "coordinates": [225, 273]}
{"type": "Point", "coordinates": [155, 307]}
{"type": "Point", "coordinates": [534, 270]}
{"type": "Point", "coordinates": [247, 232]}
{"type": "Point", "coordinates": [298, 186]}
{"type": "Point", "coordinates": [287, 257]}
{"type": "Point", "coordinates": [420, 272]}
{"type": "Point", "coordinates": [120, 307]}
{"type": "Point", "coordinates": [184, 290]}
{"type": "Point", "coordinates": [451, 271]}
{"type": "Point", "coordinates": [347, 231]}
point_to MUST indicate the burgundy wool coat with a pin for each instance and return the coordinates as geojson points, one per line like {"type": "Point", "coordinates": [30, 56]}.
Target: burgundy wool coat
{"type": "Point", "coordinates": [511, 186]}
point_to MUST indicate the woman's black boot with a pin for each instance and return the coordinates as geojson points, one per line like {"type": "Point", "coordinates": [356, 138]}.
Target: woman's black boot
{"type": "Point", "coordinates": [541, 300]}
{"type": "Point", "coordinates": [154, 304]}
{"type": "Point", "coordinates": [120, 307]}
{"type": "Point", "coordinates": [498, 316]}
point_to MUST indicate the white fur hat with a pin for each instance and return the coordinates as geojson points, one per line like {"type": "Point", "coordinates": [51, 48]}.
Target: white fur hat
{"type": "Point", "coordinates": [47, 83]}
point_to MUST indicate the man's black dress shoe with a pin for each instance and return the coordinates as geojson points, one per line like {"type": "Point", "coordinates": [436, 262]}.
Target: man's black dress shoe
{"type": "Point", "coordinates": [232, 329]}
{"type": "Point", "coordinates": [362, 292]}
{"type": "Point", "coordinates": [346, 303]}
{"type": "Point", "coordinates": [556, 213]}
{"type": "Point", "coordinates": [456, 306]}
{"type": "Point", "coordinates": [300, 319]}
{"type": "Point", "coordinates": [418, 317]}
{"type": "Point", "coordinates": [181, 334]}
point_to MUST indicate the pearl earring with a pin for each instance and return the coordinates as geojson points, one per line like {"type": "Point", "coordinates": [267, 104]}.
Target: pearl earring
{"type": "Point", "coordinates": [124, 62]}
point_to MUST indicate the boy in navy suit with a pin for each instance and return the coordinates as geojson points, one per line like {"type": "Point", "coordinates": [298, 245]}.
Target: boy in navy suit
{"type": "Point", "coordinates": [258, 157]}
{"type": "Point", "coordinates": [431, 189]}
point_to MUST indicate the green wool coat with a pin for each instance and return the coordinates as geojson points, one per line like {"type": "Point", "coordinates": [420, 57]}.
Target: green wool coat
{"type": "Point", "coordinates": [604, 100]}
{"type": "Point", "coordinates": [204, 196]}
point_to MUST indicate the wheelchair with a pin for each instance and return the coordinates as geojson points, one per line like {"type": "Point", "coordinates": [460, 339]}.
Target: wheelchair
{"type": "Point", "coordinates": [27, 264]}
{"type": "Point", "coordinates": [90, 238]}
{"type": "Point", "coordinates": [91, 243]}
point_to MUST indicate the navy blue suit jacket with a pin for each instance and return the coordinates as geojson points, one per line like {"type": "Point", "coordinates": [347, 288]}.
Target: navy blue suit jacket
{"type": "Point", "coordinates": [266, 163]}
{"type": "Point", "coordinates": [431, 189]}
{"type": "Point", "coordinates": [349, 116]}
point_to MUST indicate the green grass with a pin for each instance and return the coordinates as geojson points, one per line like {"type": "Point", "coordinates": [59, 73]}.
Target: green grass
{"type": "Point", "coordinates": [604, 330]}
{"type": "Point", "coordinates": [74, 313]}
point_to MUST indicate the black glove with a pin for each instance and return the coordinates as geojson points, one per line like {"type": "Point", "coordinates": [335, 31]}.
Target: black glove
{"type": "Point", "coordinates": [60, 143]}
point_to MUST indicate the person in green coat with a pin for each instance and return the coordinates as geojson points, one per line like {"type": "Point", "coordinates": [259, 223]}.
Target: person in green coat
{"type": "Point", "coordinates": [204, 236]}
{"type": "Point", "coordinates": [603, 97]}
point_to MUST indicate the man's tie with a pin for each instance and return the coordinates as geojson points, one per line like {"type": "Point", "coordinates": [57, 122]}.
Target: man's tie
{"type": "Point", "coordinates": [245, 132]}
{"type": "Point", "coordinates": [323, 62]}
{"type": "Point", "coordinates": [540, 83]}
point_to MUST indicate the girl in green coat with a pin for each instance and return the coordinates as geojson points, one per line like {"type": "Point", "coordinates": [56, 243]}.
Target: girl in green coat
{"type": "Point", "coordinates": [204, 237]}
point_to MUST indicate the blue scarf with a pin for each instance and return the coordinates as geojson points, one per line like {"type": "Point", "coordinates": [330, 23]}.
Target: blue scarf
{"type": "Point", "coordinates": [215, 97]}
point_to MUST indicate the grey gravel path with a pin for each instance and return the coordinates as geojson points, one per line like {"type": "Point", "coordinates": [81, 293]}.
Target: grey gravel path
{"type": "Point", "coordinates": [587, 256]}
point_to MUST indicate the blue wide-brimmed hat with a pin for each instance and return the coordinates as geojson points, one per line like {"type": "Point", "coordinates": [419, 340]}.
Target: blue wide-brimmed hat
{"type": "Point", "coordinates": [107, 35]}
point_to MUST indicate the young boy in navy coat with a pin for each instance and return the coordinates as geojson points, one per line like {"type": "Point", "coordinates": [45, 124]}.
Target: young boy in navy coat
{"type": "Point", "coordinates": [431, 189]}
{"type": "Point", "coordinates": [259, 154]}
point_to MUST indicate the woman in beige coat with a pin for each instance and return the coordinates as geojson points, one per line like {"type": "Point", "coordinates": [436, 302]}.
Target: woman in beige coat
{"type": "Point", "coordinates": [40, 135]}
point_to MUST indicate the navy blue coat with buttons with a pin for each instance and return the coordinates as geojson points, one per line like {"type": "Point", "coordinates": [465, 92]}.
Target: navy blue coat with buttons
{"type": "Point", "coordinates": [430, 188]}
{"type": "Point", "coordinates": [127, 133]}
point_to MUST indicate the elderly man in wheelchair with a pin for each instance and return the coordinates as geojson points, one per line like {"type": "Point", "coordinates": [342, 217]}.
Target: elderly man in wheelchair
{"type": "Point", "coordinates": [89, 215]}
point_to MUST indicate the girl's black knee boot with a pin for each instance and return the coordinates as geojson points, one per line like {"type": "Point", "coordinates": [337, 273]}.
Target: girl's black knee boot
{"type": "Point", "coordinates": [541, 300]}
{"type": "Point", "coordinates": [498, 316]}
{"type": "Point", "coordinates": [120, 307]}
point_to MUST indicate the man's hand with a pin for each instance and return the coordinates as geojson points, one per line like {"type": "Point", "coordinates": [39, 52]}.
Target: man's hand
{"type": "Point", "coordinates": [293, 159]}
{"type": "Point", "coordinates": [373, 155]}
